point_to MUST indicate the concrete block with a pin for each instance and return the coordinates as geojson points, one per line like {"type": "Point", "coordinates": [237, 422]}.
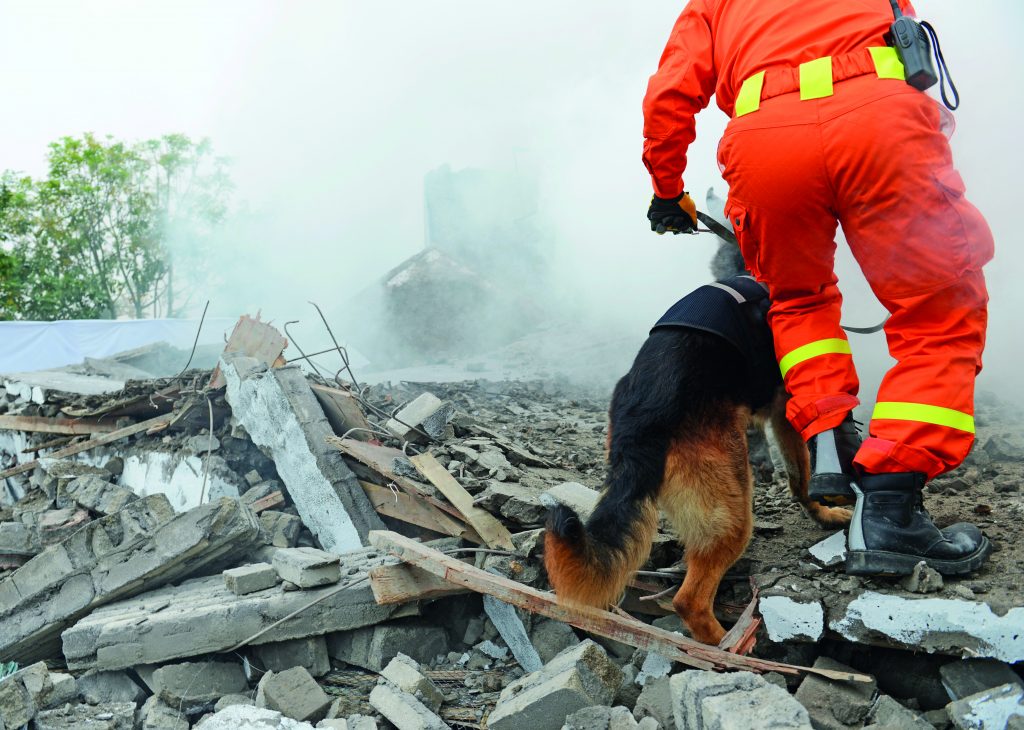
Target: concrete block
{"type": "Point", "coordinates": [655, 701]}
{"type": "Point", "coordinates": [250, 578]}
{"type": "Point", "coordinates": [427, 412]}
{"type": "Point", "coordinates": [786, 619]}
{"type": "Point", "coordinates": [17, 706]}
{"type": "Point", "coordinates": [404, 673]}
{"type": "Point", "coordinates": [374, 646]}
{"type": "Point", "coordinates": [17, 538]}
{"type": "Point", "coordinates": [690, 688]}
{"type": "Point", "coordinates": [56, 525]}
{"type": "Point", "coordinates": [282, 528]}
{"type": "Point", "coordinates": [294, 693]}
{"type": "Point", "coordinates": [888, 713]}
{"type": "Point", "coordinates": [95, 494]}
{"type": "Point", "coordinates": [355, 722]}
{"type": "Point", "coordinates": [992, 708]}
{"type": "Point", "coordinates": [515, 503]}
{"type": "Point", "coordinates": [143, 546]}
{"type": "Point", "coordinates": [970, 676]}
{"type": "Point", "coordinates": [404, 711]}
{"type": "Point", "coordinates": [831, 551]}
{"type": "Point", "coordinates": [101, 688]}
{"type": "Point", "coordinates": [605, 718]}
{"type": "Point", "coordinates": [193, 686]}
{"type": "Point", "coordinates": [576, 678]}
{"type": "Point", "coordinates": [580, 498]}
{"type": "Point", "coordinates": [202, 616]}
{"type": "Point", "coordinates": [112, 716]}
{"type": "Point", "coordinates": [228, 700]}
{"type": "Point", "coordinates": [282, 416]}
{"type": "Point", "coordinates": [550, 638]}
{"type": "Point", "coordinates": [242, 717]}
{"type": "Point", "coordinates": [309, 652]}
{"type": "Point", "coordinates": [307, 567]}
{"type": "Point", "coordinates": [835, 705]}
{"type": "Point", "coordinates": [156, 715]}
{"type": "Point", "coordinates": [63, 688]}
{"type": "Point", "coordinates": [765, 708]}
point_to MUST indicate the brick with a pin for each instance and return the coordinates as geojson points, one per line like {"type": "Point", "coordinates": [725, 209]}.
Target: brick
{"type": "Point", "coordinates": [307, 567]}
{"type": "Point", "coordinates": [250, 578]}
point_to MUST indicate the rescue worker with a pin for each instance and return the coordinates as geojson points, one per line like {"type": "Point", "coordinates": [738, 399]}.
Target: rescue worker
{"type": "Point", "coordinates": [824, 130]}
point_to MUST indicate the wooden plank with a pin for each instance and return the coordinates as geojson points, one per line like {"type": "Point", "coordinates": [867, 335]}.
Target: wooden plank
{"type": "Point", "coordinates": [403, 583]}
{"type": "Point", "coordinates": [253, 338]}
{"type": "Point", "coordinates": [672, 645]}
{"type": "Point", "coordinates": [493, 532]}
{"type": "Point", "coordinates": [343, 412]}
{"type": "Point", "coordinates": [108, 438]}
{"type": "Point", "coordinates": [381, 460]}
{"type": "Point", "coordinates": [41, 424]}
{"type": "Point", "coordinates": [274, 499]}
{"type": "Point", "coordinates": [406, 508]}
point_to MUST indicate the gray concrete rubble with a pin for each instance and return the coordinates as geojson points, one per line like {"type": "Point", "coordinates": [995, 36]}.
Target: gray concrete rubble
{"type": "Point", "coordinates": [307, 567]}
{"type": "Point", "coordinates": [607, 718]}
{"type": "Point", "coordinates": [293, 693]}
{"type": "Point", "coordinates": [242, 717]}
{"type": "Point", "coordinates": [143, 546]}
{"type": "Point", "coordinates": [95, 494]}
{"type": "Point", "coordinates": [576, 678]}
{"type": "Point", "coordinates": [655, 701]}
{"type": "Point", "coordinates": [309, 652]}
{"type": "Point", "coordinates": [888, 713]}
{"type": "Point", "coordinates": [572, 494]}
{"type": "Point", "coordinates": [157, 715]}
{"type": "Point", "coordinates": [373, 647]}
{"type": "Point", "coordinates": [282, 417]}
{"type": "Point", "coordinates": [160, 626]}
{"type": "Point", "coordinates": [510, 628]}
{"type": "Point", "coordinates": [835, 705]}
{"type": "Point", "coordinates": [250, 578]}
{"type": "Point", "coordinates": [970, 676]}
{"type": "Point", "coordinates": [111, 716]}
{"type": "Point", "coordinates": [992, 708]}
{"type": "Point", "coordinates": [426, 413]}
{"type": "Point", "coordinates": [404, 673]}
{"type": "Point", "coordinates": [709, 701]}
{"type": "Point", "coordinates": [99, 688]}
{"type": "Point", "coordinates": [192, 686]}
{"type": "Point", "coordinates": [404, 711]}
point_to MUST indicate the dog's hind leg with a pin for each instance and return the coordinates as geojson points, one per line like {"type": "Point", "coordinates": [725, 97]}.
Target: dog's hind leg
{"type": "Point", "coordinates": [798, 466]}
{"type": "Point", "coordinates": [707, 497]}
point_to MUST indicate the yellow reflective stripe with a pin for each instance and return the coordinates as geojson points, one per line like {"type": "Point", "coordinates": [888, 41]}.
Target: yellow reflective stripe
{"type": "Point", "coordinates": [887, 62]}
{"type": "Point", "coordinates": [816, 78]}
{"type": "Point", "coordinates": [924, 413]}
{"type": "Point", "coordinates": [749, 98]}
{"type": "Point", "coordinates": [832, 346]}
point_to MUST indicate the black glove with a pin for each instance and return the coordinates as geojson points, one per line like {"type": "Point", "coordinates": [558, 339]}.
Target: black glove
{"type": "Point", "coordinates": [678, 214]}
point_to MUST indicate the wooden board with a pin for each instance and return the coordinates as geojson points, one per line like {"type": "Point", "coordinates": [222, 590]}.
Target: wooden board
{"type": "Point", "coordinates": [343, 412]}
{"type": "Point", "coordinates": [158, 422]}
{"type": "Point", "coordinates": [626, 629]}
{"type": "Point", "coordinates": [403, 583]}
{"type": "Point", "coordinates": [256, 339]}
{"type": "Point", "coordinates": [40, 424]}
{"type": "Point", "coordinates": [401, 506]}
{"type": "Point", "coordinates": [493, 532]}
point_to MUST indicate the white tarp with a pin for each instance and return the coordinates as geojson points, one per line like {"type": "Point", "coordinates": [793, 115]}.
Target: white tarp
{"type": "Point", "coordinates": [27, 346]}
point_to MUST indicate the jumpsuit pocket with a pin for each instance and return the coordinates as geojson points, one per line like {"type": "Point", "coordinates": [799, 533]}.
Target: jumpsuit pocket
{"type": "Point", "coordinates": [737, 215]}
{"type": "Point", "coordinates": [977, 235]}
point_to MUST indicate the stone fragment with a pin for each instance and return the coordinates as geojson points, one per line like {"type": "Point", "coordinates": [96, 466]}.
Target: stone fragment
{"type": "Point", "coordinates": [374, 646]}
{"type": "Point", "coordinates": [116, 716]}
{"type": "Point", "coordinates": [354, 722]}
{"type": "Point", "coordinates": [62, 688]}
{"type": "Point", "coordinates": [515, 503]}
{"type": "Point", "coordinates": [690, 688]}
{"type": "Point", "coordinates": [404, 711]}
{"type": "Point", "coordinates": [309, 653]}
{"type": "Point", "coordinates": [404, 673]}
{"type": "Point", "coordinates": [786, 619]}
{"type": "Point", "coordinates": [510, 628]}
{"type": "Point", "coordinates": [307, 567]}
{"type": "Point", "coordinates": [202, 616]}
{"type": "Point", "coordinates": [888, 713]}
{"type": "Point", "coordinates": [244, 717]}
{"type": "Point", "coordinates": [228, 700]}
{"type": "Point", "coordinates": [282, 528]}
{"type": "Point", "coordinates": [654, 666]}
{"type": "Point", "coordinates": [764, 708]}
{"type": "Point", "coordinates": [56, 525]}
{"type": "Point", "coordinates": [156, 715]}
{"type": "Point", "coordinates": [197, 685]}
{"type": "Point", "coordinates": [550, 637]}
{"type": "Point", "coordinates": [922, 580]}
{"type": "Point", "coordinates": [831, 551]}
{"type": "Point", "coordinates": [250, 578]}
{"type": "Point", "coordinates": [101, 688]}
{"type": "Point", "coordinates": [202, 443]}
{"type": "Point", "coordinates": [1000, 448]}
{"type": "Point", "coordinates": [835, 705]}
{"type": "Point", "coordinates": [293, 693]}
{"type": "Point", "coordinates": [992, 708]}
{"type": "Point", "coordinates": [17, 538]}
{"type": "Point", "coordinates": [17, 706]}
{"type": "Point", "coordinates": [278, 409]}
{"type": "Point", "coordinates": [143, 546]}
{"type": "Point", "coordinates": [607, 718]}
{"type": "Point", "coordinates": [572, 494]}
{"type": "Point", "coordinates": [655, 701]}
{"type": "Point", "coordinates": [427, 412]}
{"type": "Point", "coordinates": [970, 676]}
{"type": "Point", "coordinates": [576, 678]}
{"type": "Point", "coordinates": [95, 494]}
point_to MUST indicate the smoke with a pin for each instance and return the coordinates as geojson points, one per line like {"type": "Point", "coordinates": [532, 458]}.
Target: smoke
{"type": "Point", "coordinates": [333, 113]}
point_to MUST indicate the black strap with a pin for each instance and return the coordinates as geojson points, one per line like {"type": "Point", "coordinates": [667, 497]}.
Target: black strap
{"type": "Point", "coordinates": [943, 69]}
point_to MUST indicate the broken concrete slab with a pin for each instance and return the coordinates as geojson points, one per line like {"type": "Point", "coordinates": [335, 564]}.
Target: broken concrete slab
{"type": "Point", "coordinates": [426, 413]}
{"type": "Point", "coordinates": [787, 619]}
{"type": "Point", "coordinates": [47, 689]}
{"type": "Point", "coordinates": [607, 718]}
{"type": "Point", "coordinates": [888, 713]}
{"type": "Point", "coordinates": [293, 693]}
{"type": "Point", "coordinates": [143, 546]}
{"type": "Point", "coordinates": [831, 551]}
{"type": "Point", "coordinates": [282, 528]}
{"type": "Point", "coordinates": [115, 716]}
{"type": "Point", "coordinates": [520, 505]}
{"type": "Point", "coordinates": [576, 678]}
{"type": "Point", "coordinates": [95, 494]}
{"type": "Point", "coordinates": [352, 722]}
{"type": "Point", "coordinates": [373, 647]}
{"type": "Point", "coordinates": [970, 676]}
{"type": "Point", "coordinates": [250, 578]}
{"type": "Point", "coordinates": [155, 715]}
{"type": "Point", "coordinates": [17, 706]}
{"type": "Point", "coordinates": [17, 538]}
{"type": "Point", "coordinates": [309, 652]}
{"type": "Point", "coordinates": [100, 688]}
{"type": "Point", "coordinates": [550, 638]}
{"type": "Point", "coordinates": [161, 626]}
{"type": "Point", "coordinates": [835, 705]}
{"type": "Point", "coordinates": [195, 686]}
{"type": "Point", "coordinates": [404, 711]}
{"type": "Point", "coordinates": [282, 417]}
{"type": "Point", "coordinates": [993, 708]}
{"type": "Point", "coordinates": [580, 498]}
{"type": "Point", "coordinates": [707, 700]}
{"type": "Point", "coordinates": [689, 689]}
{"type": "Point", "coordinates": [655, 702]}
{"type": "Point", "coordinates": [510, 628]}
{"type": "Point", "coordinates": [307, 567]}
{"type": "Point", "coordinates": [404, 672]}
{"type": "Point", "coordinates": [243, 717]}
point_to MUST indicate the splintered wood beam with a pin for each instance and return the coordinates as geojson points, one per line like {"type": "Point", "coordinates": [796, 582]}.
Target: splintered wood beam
{"type": "Point", "coordinates": [41, 424]}
{"type": "Point", "coordinates": [107, 438]}
{"type": "Point", "coordinates": [256, 339]}
{"type": "Point", "coordinates": [403, 583]}
{"type": "Point", "coordinates": [401, 506]}
{"type": "Point", "coordinates": [630, 631]}
{"type": "Point", "coordinates": [493, 532]}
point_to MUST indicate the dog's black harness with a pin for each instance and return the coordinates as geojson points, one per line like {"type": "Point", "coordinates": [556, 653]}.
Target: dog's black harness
{"type": "Point", "coordinates": [736, 310]}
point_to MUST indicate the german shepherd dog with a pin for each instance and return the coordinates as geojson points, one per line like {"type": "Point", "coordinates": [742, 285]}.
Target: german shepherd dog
{"type": "Point", "coordinates": [678, 441]}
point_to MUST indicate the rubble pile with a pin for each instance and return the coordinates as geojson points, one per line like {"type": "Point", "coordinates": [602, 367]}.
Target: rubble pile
{"type": "Point", "coordinates": [258, 547]}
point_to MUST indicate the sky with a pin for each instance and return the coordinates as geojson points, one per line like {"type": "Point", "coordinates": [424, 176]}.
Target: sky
{"type": "Point", "coordinates": [333, 112]}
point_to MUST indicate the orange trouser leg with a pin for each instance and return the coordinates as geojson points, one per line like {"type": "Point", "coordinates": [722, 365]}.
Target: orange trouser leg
{"type": "Point", "coordinates": [782, 208]}
{"type": "Point", "coordinates": [921, 246]}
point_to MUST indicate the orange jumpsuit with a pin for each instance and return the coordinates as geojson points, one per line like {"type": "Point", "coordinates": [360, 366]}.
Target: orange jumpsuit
{"type": "Point", "coordinates": [829, 134]}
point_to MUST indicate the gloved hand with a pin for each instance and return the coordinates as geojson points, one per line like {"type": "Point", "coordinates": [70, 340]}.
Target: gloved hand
{"type": "Point", "coordinates": [678, 214]}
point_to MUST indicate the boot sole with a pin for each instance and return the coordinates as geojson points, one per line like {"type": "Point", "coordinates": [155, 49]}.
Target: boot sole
{"type": "Point", "coordinates": [881, 562]}
{"type": "Point", "coordinates": [831, 490]}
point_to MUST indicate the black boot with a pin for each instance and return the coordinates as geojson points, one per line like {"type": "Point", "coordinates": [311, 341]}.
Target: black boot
{"type": "Point", "coordinates": [832, 471]}
{"type": "Point", "coordinates": [891, 532]}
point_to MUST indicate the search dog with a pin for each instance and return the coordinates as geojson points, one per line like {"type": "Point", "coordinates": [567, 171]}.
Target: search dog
{"type": "Point", "coordinates": [677, 440]}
